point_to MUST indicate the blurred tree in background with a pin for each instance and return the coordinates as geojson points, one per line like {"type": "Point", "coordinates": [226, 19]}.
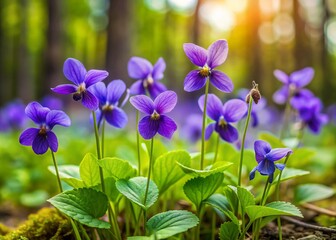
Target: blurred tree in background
{"type": "Point", "coordinates": [36, 36]}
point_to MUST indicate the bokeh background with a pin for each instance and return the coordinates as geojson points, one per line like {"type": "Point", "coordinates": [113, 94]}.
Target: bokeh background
{"type": "Point", "coordinates": [36, 36]}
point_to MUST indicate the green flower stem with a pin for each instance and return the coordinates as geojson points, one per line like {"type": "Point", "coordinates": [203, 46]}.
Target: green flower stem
{"type": "Point", "coordinates": [277, 191]}
{"type": "Point", "coordinates": [103, 140]}
{"type": "Point", "coordinates": [138, 142]}
{"type": "Point", "coordinates": [217, 148]}
{"type": "Point", "coordinates": [57, 173]}
{"type": "Point", "coordinates": [101, 173]}
{"type": "Point", "coordinates": [242, 236]}
{"type": "Point", "coordinates": [286, 119]}
{"type": "Point", "coordinates": [213, 226]}
{"type": "Point", "coordinates": [203, 123]}
{"type": "Point", "coordinates": [243, 141]}
{"type": "Point", "coordinates": [74, 226]}
{"type": "Point", "coordinates": [86, 236]}
{"type": "Point", "coordinates": [148, 179]}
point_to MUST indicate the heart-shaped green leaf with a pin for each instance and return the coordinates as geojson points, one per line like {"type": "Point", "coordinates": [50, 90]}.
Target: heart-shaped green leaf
{"type": "Point", "coordinates": [69, 174]}
{"type": "Point", "coordinates": [117, 168]}
{"type": "Point", "coordinates": [200, 188]}
{"type": "Point", "coordinates": [228, 231]}
{"type": "Point", "coordinates": [134, 189]}
{"type": "Point", "coordinates": [273, 209]}
{"type": "Point", "coordinates": [167, 224]}
{"type": "Point", "coordinates": [312, 192]}
{"type": "Point", "coordinates": [85, 205]}
{"type": "Point", "coordinates": [167, 171]}
{"type": "Point", "coordinates": [89, 170]}
{"type": "Point", "coordinates": [245, 197]}
{"type": "Point", "coordinates": [218, 167]}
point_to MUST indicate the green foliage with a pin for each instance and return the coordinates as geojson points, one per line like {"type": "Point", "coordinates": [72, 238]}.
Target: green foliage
{"type": "Point", "coordinates": [228, 231]}
{"type": "Point", "coordinates": [245, 197]}
{"type": "Point", "coordinates": [312, 192]}
{"type": "Point", "coordinates": [89, 170]}
{"type": "Point", "coordinates": [166, 171]}
{"type": "Point", "coordinates": [135, 188]}
{"type": "Point", "coordinates": [218, 167]}
{"type": "Point", "coordinates": [167, 224]}
{"type": "Point", "coordinates": [117, 168]}
{"type": "Point", "coordinates": [69, 174]}
{"type": "Point", "coordinates": [46, 224]}
{"type": "Point", "coordinates": [290, 173]}
{"type": "Point", "coordinates": [199, 189]}
{"type": "Point", "coordinates": [272, 209]}
{"type": "Point", "coordinates": [85, 205]}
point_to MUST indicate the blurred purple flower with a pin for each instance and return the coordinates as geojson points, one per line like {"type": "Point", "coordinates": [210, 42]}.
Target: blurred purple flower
{"type": "Point", "coordinates": [13, 115]}
{"type": "Point", "coordinates": [192, 129]}
{"type": "Point", "coordinates": [232, 111]}
{"type": "Point", "coordinates": [52, 103]}
{"type": "Point", "coordinates": [155, 121]}
{"type": "Point", "coordinates": [331, 111]}
{"type": "Point", "coordinates": [293, 86]}
{"type": "Point", "coordinates": [242, 93]}
{"type": "Point", "coordinates": [109, 103]}
{"type": "Point", "coordinates": [75, 71]}
{"type": "Point", "coordinates": [43, 137]}
{"type": "Point", "coordinates": [147, 76]}
{"type": "Point", "coordinates": [207, 60]}
{"type": "Point", "coordinates": [311, 116]}
{"type": "Point", "coordinates": [266, 156]}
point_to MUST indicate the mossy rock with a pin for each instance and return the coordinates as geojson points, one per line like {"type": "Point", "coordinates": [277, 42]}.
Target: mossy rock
{"type": "Point", "coordinates": [47, 223]}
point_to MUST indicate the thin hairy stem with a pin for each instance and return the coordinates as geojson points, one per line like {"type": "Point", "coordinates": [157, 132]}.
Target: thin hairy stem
{"type": "Point", "coordinates": [138, 142]}
{"type": "Point", "coordinates": [57, 173]}
{"type": "Point", "coordinates": [203, 123]}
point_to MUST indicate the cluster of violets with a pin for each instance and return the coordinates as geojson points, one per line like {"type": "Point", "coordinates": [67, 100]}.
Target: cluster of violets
{"type": "Point", "coordinates": [152, 98]}
{"type": "Point", "coordinates": [105, 101]}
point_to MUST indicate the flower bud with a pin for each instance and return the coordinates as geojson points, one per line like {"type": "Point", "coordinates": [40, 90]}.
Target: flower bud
{"type": "Point", "coordinates": [254, 93]}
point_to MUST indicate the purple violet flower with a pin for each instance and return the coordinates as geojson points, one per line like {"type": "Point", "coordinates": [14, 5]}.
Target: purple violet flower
{"type": "Point", "coordinates": [207, 61]}
{"type": "Point", "coordinates": [13, 114]}
{"type": "Point", "coordinates": [109, 103]}
{"type": "Point", "coordinates": [147, 76]}
{"type": "Point", "coordinates": [311, 116]}
{"type": "Point", "coordinates": [156, 121]}
{"type": "Point", "coordinates": [75, 71]}
{"type": "Point", "coordinates": [232, 111]}
{"type": "Point", "coordinates": [293, 86]}
{"type": "Point", "coordinates": [266, 156]}
{"type": "Point", "coordinates": [192, 129]}
{"type": "Point", "coordinates": [43, 137]}
{"type": "Point", "coordinates": [52, 102]}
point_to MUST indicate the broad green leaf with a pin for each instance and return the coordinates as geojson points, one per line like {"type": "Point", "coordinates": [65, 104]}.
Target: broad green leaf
{"type": "Point", "coordinates": [166, 171]}
{"type": "Point", "coordinates": [89, 170]}
{"type": "Point", "coordinates": [272, 140]}
{"type": "Point", "coordinates": [289, 173]}
{"type": "Point", "coordinates": [245, 197]}
{"type": "Point", "coordinates": [272, 209]}
{"type": "Point", "coordinates": [200, 188]}
{"type": "Point", "coordinates": [85, 205]}
{"type": "Point", "coordinates": [301, 157]}
{"type": "Point", "coordinates": [134, 189]}
{"type": "Point", "coordinates": [231, 195]}
{"type": "Point", "coordinates": [312, 192]}
{"type": "Point", "coordinates": [117, 168]}
{"type": "Point", "coordinates": [141, 238]}
{"type": "Point", "coordinates": [218, 167]}
{"type": "Point", "coordinates": [111, 190]}
{"type": "Point", "coordinates": [69, 174]}
{"type": "Point", "coordinates": [228, 231]}
{"type": "Point", "coordinates": [167, 224]}
{"type": "Point", "coordinates": [221, 203]}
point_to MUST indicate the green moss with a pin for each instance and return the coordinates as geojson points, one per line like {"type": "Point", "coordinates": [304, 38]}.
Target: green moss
{"type": "Point", "coordinates": [4, 230]}
{"type": "Point", "coordinates": [47, 223]}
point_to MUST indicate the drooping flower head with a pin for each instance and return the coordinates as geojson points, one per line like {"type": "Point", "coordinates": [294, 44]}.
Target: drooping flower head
{"type": "Point", "coordinates": [207, 61]}
{"type": "Point", "coordinates": [311, 116]}
{"type": "Point", "coordinates": [256, 108]}
{"type": "Point", "coordinates": [42, 137]}
{"type": "Point", "coordinates": [109, 106]}
{"type": "Point", "coordinates": [232, 111]}
{"type": "Point", "coordinates": [147, 76]}
{"type": "Point", "coordinates": [266, 156]}
{"type": "Point", "coordinates": [155, 121]}
{"type": "Point", "coordinates": [75, 71]}
{"type": "Point", "coordinates": [293, 86]}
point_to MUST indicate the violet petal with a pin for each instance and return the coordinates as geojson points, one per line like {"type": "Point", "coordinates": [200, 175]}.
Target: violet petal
{"type": "Point", "coordinates": [36, 112]}
{"type": "Point", "coordinates": [280, 166]}
{"type": "Point", "coordinates": [89, 100]}
{"type": "Point", "coordinates": [165, 102]}
{"type": "Point", "coordinates": [227, 133]}
{"type": "Point", "coordinates": [281, 76]}
{"type": "Point", "coordinates": [74, 71]}
{"type": "Point", "coordinates": [302, 77]}
{"type": "Point", "coordinates": [221, 81]}
{"type": "Point", "coordinates": [194, 81]}
{"type": "Point", "coordinates": [100, 91]}
{"type": "Point", "coordinates": [27, 136]}
{"type": "Point", "coordinates": [278, 153]}
{"type": "Point", "coordinates": [281, 95]}
{"type": "Point", "coordinates": [266, 167]}
{"type": "Point", "coordinates": [142, 103]}
{"type": "Point", "coordinates": [155, 89]}
{"type": "Point", "coordinates": [115, 90]}
{"type": "Point", "coordinates": [167, 127]}
{"type": "Point", "coordinates": [148, 127]}
{"type": "Point", "coordinates": [214, 106]}
{"type": "Point", "coordinates": [209, 130]}
{"type": "Point", "coordinates": [137, 88]}
{"type": "Point", "coordinates": [261, 148]}
{"type": "Point", "coordinates": [116, 117]}
{"type": "Point", "coordinates": [234, 110]}
{"type": "Point", "coordinates": [196, 54]}
{"type": "Point", "coordinates": [252, 173]}
{"type": "Point", "coordinates": [57, 117]}
{"type": "Point", "coordinates": [158, 69]}
{"type": "Point", "coordinates": [52, 141]}
{"type": "Point", "coordinates": [65, 89]}
{"type": "Point", "coordinates": [217, 53]}
{"type": "Point", "coordinates": [40, 144]}
{"type": "Point", "coordinates": [94, 76]}
{"type": "Point", "coordinates": [139, 68]}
